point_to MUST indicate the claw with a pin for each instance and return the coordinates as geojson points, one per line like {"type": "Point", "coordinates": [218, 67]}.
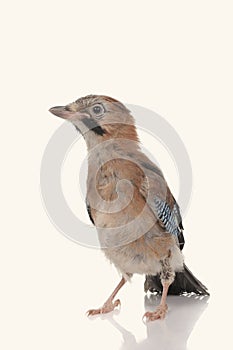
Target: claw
{"type": "Point", "coordinates": [116, 303]}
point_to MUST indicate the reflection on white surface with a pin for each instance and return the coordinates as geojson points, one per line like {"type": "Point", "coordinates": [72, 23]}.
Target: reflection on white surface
{"type": "Point", "coordinates": [171, 333]}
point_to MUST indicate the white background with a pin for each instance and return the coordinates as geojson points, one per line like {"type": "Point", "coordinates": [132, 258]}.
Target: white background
{"type": "Point", "coordinates": [174, 57]}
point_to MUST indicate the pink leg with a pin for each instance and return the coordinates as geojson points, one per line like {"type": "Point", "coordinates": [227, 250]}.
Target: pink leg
{"type": "Point", "coordinates": [109, 305]}
{"type": "Point", "coordinates": [161, 310]}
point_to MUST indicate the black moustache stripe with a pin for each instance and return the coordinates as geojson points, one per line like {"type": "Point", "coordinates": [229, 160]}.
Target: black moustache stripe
{"type": "Point", "coordinates": [77, 129]}
{"type": "Point", "coordinates": [92, 125]}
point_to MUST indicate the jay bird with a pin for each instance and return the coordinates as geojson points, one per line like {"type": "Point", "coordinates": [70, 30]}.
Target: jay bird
{"type": "Point", "coordinates": [138, 221]}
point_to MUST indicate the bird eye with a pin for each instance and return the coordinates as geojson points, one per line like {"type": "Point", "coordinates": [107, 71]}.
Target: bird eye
{"type": "Point", "coordinates": [98, 110]}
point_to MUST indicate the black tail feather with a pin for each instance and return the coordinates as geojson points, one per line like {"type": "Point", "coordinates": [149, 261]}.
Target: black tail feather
{"type": "Point", "coordinates": [185, 282]}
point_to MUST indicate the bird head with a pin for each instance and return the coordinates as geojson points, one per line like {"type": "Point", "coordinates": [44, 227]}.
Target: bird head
{"type": "Point", "coordinates": [98, 118]}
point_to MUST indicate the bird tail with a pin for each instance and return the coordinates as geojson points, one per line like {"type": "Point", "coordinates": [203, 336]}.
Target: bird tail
{"type": "Point", "coordinates": [185, 282]}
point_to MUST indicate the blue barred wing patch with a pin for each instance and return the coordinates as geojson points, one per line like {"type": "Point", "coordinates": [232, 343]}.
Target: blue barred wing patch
{"type": "Point", "coordinates": [169, 218]}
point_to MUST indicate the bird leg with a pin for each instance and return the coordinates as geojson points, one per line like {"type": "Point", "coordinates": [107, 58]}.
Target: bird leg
{"type": "Point", "coordinates": [161, 310]}
{"type": "Point", "coordinates": [167, 277]}
{"type": "Point", "coordinates": [109, 305]}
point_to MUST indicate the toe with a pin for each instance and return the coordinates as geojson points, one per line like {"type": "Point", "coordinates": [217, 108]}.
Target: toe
{"type": "Point", "coordinates": [93, 312]}
{"type": "Point", "coordinates": [151, 316]}
{"type": "Point", "coordinates": [107, 307]}
{"type": "Point", "coordinates": [160, 313]}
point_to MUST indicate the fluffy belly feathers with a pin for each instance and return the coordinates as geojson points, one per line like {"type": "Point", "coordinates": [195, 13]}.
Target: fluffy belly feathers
{"type": "Point", "coordinates": [144, 257]}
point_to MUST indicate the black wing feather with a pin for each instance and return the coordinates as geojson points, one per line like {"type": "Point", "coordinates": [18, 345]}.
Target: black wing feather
{"type": "Point", "coordinates": [89, 212]}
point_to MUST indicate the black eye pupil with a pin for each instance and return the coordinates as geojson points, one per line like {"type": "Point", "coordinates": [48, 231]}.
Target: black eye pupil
{"type": "Point", "coordinates": [97, 109]}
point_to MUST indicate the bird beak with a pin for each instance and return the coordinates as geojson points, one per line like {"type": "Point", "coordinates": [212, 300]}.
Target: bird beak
{"type": "Point", "coordinates": [62, 112]}
{"type": "Point", "coordinates": [65, 113]}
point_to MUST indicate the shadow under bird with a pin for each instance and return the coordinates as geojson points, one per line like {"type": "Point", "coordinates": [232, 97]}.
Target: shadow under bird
{"type": "Point", "coordinates": [138, 221]}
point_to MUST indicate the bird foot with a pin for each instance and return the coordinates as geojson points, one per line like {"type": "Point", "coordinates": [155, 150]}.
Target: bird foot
{"type": "Point", "coordinates": [159, 313]}
{"type": "Point", "coordinates": [107, 307]}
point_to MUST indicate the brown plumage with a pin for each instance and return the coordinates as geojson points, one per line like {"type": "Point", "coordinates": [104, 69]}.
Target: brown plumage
{"type": "Point", "coordinates": [137, 218]}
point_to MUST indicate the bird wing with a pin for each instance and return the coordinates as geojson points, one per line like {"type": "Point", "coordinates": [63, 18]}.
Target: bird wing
{"type": "Point", "coordinates": [166, 210]}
